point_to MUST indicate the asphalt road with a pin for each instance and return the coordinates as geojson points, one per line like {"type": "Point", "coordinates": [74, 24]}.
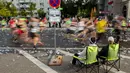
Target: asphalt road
{"type": "Point", "coordinates": [14, 63]}
{"type": "Point", "coordinates": [67, 67]}
{"type": "Point", "coordinates": [47, 37]}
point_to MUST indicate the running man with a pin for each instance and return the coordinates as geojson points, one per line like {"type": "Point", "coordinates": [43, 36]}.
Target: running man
{"type": "Point", "coordinates": [124, 28]}
{"type": "Point", "coordinates": [89, 29]}
{"type": "Point", "coordinates": [35, 32]}
{"type": "Point", "coordinates": [101, 28]}
{"type": "Point", "coordinates": [4, 24]}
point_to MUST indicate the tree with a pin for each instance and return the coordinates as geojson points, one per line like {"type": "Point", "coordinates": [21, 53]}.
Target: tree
{"type": "Point", "coordinates": [5, 12]}
{"type": "Point", "coordinates": [23, 13]}
{"type": "Point", "coordinates": [1, 5]}
{"type": "Point", "coordinates": [12, 8]}
{"type": "Point", "coordinates": [69, 8]}
{"type": "Point", "coordinates": [78, 7]}
{"type": "Point", "coordinates": [32, 8]}
{"type": "Point", "coordinates": [41, 13]}
{"type": "Point", "coordinates": [14, 11]}
{"type": "Point", "coordinates": [7, 9]}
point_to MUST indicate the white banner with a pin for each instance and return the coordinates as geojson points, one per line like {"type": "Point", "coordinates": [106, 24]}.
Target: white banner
{"type": "Point", "coordinates": [54, 19]}
{"type": "Point", "coordinates": [55, 12]}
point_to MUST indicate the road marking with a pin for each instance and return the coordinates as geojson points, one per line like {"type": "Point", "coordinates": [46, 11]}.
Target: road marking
{"type": "Point", "coordinates": [26, 48]}
{"type": "Point", "coordinates": [70, 54]}
{"type": "Point", "coordinates": [40, 48]}
{"type": "Point", "coordinates": [60, 49]}
{"type": "Point", "coordinates": [54, 48]}
{"type": "Point", "coordinates": [64, 52]}
{"type": "Point", "coordinates": [41, 65]}
{"type": "Point", "coordinates": [123, 56]}
{"type": "Point", "coordinates": [120, 72]}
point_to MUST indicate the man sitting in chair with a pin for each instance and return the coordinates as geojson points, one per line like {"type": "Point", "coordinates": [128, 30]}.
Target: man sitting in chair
{"type": "Point", "coordinates": [92, 49]}
{"type": "Point", "coordinates": [108, 52]}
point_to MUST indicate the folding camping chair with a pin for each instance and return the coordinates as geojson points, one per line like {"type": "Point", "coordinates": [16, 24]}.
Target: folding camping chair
{"type": "Point", "coordinates": [112, 59]}
{"type": "Point", "coordinates": [90, 61]}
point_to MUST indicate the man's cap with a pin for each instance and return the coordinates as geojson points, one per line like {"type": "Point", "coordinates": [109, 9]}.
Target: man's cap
{"type": "Point", "coordinates": [111, 39]}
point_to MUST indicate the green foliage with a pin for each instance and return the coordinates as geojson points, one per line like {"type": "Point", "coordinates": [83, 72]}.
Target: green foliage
{"type": "Point", "coordinates": [23, 13]}
{"type": "Point", "coordinates": [29, 11]}
{"type": "Point", "coordinates": [7, 9]}
{"type": "Point", "coordinates": [80, 8]}
{"type": "Point", "coordinates": [12, 9]}
{"type": "Point", "coordinates": [83, 12]}
{"type": "Point", "coordinates": [60, 8]}
{"type": "Point", "coordinates": [41, 13]}
{"type": "Point", "coordinates": [69, 9]}
{"type": "Point", "coordinates": [31, 8]}
{"type": "Point", "coordinates": [5, 12]}
{"type": "Point", "coordinates": [1, 5]}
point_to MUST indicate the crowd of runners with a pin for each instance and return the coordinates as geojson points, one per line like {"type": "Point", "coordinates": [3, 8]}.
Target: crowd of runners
{"type": "Point", "coordinates": [84, 28]}
{"type": "Point", "coordinates": [25, 30]}
{"type": "Point", "coordinates": [28, 30]}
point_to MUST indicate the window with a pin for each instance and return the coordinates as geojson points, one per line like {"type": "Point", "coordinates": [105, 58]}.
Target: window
{"type": "Point", "coordinates": [41, 8]}
{"type": "Point", "coordinates": [21, 1]}
{"type": "Point", "coordinates": [41, 3]}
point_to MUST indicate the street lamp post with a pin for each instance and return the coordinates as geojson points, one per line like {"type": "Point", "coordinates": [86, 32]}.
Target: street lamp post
{"type": "Point", "coordinates": [98, 4]}
{"type": "Point", "coordinates": [128, 12]}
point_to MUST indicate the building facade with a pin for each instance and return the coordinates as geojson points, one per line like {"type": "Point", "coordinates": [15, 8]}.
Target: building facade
{"type": "Point", "coordinates": [103, 5]}
{"type": "Point", "coordinates": [117, 7]}
{"type": "Point", "coordinates": [121, 7]}
{"type": "Point", "coordinates": [24, 4]}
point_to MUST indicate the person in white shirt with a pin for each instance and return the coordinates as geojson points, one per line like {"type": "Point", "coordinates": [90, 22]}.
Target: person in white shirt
{"type": "Point", "coordinates": [83, 53]}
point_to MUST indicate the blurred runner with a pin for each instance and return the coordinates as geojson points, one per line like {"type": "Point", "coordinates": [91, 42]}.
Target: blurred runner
{"type": "Point", "coordinates": [89, 30]}
{"type": "Point", "coordinates": [42, 25]}
{"type": "Point", "coordinates": [101, 28]}
{"type": "Point", "coordinates": [3, 24]}
{"type": "Point", "coordinates": [124, 28]}
{"type": "Point", "coordinates": [35, 32]}
{"type": "Point", "coordinates": [12, 25]}
{"type": "Point", "coordinates": [20, 29]}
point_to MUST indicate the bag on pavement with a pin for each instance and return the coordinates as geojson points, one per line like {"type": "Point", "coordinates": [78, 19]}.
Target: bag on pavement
{"type": "Point", "coordinates": [55, 60]}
